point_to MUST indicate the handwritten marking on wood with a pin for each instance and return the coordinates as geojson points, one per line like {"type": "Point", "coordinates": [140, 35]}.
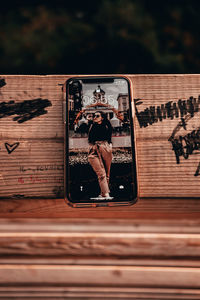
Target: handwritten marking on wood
{"type": "Point", "coordinates": [182, 145]}
{"type": "Point", "coordinates": [183, 123]}
{"type": "Point", "coordinates": [11, 148]}
{"type": "Point", "coordinates": [42, 168]}
{"type": "Point", "coordinates": [169, 110]}
{"type": "Point", "coordinates": [33, 179]}
{"type": "Point", "coordinates": [197, 173]}
{"type": "Point", "coordinates": [2, 82]}
{"type": "Point", "coordinates": [25, 110]}
{"type": "Point", "coordinates": [186, 145]}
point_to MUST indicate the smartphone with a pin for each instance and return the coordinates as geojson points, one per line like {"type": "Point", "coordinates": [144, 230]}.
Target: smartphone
{"type": "Point", "coordinates": [100, 162]}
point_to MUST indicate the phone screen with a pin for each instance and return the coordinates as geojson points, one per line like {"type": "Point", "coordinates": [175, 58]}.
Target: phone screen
{"type": "Point", "coordinates": [100, 156]}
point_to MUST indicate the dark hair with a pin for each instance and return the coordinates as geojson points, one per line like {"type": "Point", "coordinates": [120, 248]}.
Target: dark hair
{"type": "Point", "coordinates": [105, 120]}
{"type": "Point", "coordinates": [103, 115]}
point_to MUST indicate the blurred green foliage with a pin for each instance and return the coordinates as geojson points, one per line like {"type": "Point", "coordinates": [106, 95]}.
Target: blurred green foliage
{"type": "Point", "coordinates": [104, 36]}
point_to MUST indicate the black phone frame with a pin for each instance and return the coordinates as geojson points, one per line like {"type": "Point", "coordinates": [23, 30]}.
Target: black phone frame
{"type": "Point", "coordinates": [102, 203]}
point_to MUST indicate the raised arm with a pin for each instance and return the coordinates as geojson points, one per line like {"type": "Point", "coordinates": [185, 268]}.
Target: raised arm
{"type": "Point", "coordinates": [79, 115]}
{"type": "Point", "coordinates": [118, 114]}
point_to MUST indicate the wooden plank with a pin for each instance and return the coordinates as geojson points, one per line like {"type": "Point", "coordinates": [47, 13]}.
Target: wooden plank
{"type": "Point", "coordinates": [93, 225]}
{"type": "Point", "coordinates": [159, 174]}
{"type": "Point", "coordinates": [99, 244]}
{"type": "Point", "coordinates": [95, 259]}
{"type": "Point", "coordinates": [101, 292]}
{"type": "Point", "coordinates": [129, 276]}
{"type": "Point", "coordinates": [103, 261]}
{"type": "Point", "coordinates": [33, 88]}
{"type": "Point", "coordinates": [145, 208]}
{"type": "Point", "coordinates": [35, 167]}
{"type": "Point", "coordinates": [36, 170]}
{"type": "Point", "coordinates": [93, 239]}
{"type": "Point", "coordinates": [98, 293]}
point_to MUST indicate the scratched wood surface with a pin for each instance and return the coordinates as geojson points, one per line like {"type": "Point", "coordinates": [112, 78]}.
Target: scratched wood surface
{"type": "Point", "coordinates": [31, 140]}
{"type": "Point", "coordinates": [95, 259]}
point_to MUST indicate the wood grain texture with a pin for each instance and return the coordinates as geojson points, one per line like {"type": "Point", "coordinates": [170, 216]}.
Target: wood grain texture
{"type": "Point", "coordinates": [100, 244]}
{"type": "Point", "coordinates": [145, 208]}
{"type": "Point", "coordinates": [98, 293]}
{"type": "Point", "coordinates": [107, 239]}
{"type": "Point", "coordinates": [147, 251]}
{"type": "Point", "coordinates": [95, 259]}
{"type": "Point", "coordinates": [35, 167]}
{"type": "Point", "coordinates": [101, 275]}
{"type": "Point", "coordinates": [158, 172]}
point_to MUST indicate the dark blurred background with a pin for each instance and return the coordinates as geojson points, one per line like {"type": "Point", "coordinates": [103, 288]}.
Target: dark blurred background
{"type": "Point", "coordinates": [104, 36]}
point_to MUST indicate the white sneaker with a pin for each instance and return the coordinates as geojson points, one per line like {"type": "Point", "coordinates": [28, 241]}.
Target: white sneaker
{"type": "Point", "coordinates": [100, 197]}
{"type": "Point", "coordinates": [108, 198]}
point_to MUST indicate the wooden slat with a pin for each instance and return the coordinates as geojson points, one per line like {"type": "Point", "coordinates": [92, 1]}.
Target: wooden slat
{"type": "Point", "coordinates": [95, 259]}
{"type": "Point", "coordinates": [38, 171]}
{"type": "Point", "coordinates": [145, 208]}
{"type": "Point", "coordinates": [98, 293]}
{"type": "Point", "coordinates": [93, 225]}
{"type": "Point", "coordinates": [100, 244]}
{"type": "Point", "coordinates": [104, 261]}
{"type": "Point", "coordinates": [101, 275]}
{"type": "Point", "coordinates": [41, 139]}
{"type": "Point", "coordinates": [42, 240]}
{"type": "Point", "coordinates": [159, 174]}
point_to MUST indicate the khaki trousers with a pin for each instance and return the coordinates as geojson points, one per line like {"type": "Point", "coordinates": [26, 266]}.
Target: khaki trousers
{"type": "Point", "coordinates": [100, 158]}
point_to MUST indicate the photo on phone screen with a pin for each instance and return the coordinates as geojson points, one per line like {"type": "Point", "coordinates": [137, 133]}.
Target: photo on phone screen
{"type": "Point", "coordinates": [100, 149]}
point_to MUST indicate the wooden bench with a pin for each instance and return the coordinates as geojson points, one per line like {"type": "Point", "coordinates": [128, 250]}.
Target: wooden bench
{"type": "Point", "coordinates": [147, 251]}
